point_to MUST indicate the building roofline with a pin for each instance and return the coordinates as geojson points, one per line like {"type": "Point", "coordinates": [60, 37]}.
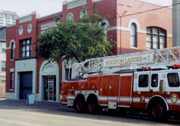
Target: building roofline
{"type": "Point", "coordinates": [34, 12]}
{"type": "Point", "coordinates": [11, 25]}
{"type": "Point", "coordinates": [50, 15]}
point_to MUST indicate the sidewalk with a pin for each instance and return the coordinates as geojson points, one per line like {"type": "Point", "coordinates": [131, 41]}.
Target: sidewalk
{"type": "Point", "coordinates": [39, 105]}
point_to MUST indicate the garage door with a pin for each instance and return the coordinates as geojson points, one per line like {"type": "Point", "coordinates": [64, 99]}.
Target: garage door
{"type": "Point", "coordinates": [25, 84]}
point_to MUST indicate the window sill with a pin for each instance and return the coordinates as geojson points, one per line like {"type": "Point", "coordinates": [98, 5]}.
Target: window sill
{"type": "Point", "coordinates": [11, 59]}
{"type": "Point", "coordinates": [11, 89]}
{"type": "Point", "coordinates": [133, 47]}
{"type": "Point", "coordinates": [25, 58]}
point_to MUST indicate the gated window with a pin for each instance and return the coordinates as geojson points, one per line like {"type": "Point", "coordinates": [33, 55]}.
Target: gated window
{"type": "Point", "coordinates": [156, 38]}
{"type": "Point", "coordinates": [143, 80]}
{"type": "Point", "coordinates": [12, 50]}
{"type": "Point", "coordinates": [133, 35]}
{"type": "Point", "coordinates": [154, 80]}
{"type": "Point", "coordinates": [12, 80]}
{"type": "Point", "coordinates": [173, 79]}
{"type": "Point", "coordinates": [26, 48]}
{"type": "Point", "coordinates": [3, 66]}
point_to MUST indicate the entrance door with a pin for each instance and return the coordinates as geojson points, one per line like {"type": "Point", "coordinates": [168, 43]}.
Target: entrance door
{"type": "Point", "coordinates": [50, 88]}
{"type": "Point", "coordinates": [51, 91]}
{"type": "Point", "coordinates": [25, 84]}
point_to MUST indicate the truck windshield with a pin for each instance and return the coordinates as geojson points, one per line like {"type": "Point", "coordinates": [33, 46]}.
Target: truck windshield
{"type": "Point", "coordinates": [173, 79]}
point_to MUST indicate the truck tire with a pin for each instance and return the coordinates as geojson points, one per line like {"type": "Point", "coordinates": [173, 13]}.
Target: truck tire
{"type": "Point", "coordinates": [92, 105]}
{"type": "Point", "coordinates": [158, 111]}
{"type": "Point", "coordinates": [79, 104]}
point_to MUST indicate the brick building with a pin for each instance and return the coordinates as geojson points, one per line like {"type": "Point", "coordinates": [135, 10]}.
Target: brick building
{"type": "Point", "coordinates": [126, 21]}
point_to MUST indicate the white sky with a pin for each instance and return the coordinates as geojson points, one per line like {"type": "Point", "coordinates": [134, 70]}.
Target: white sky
{"type": "Point", "coordinates": [46, 7]}
{"type": "Point", "coordinates": [24, 7]}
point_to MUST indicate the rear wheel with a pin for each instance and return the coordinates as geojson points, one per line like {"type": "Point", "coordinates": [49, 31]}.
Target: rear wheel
{"type": "Point", "coordinates": [92, 105]}
{"type": "Point", "coordinates": [158, 111]}
{"type": "Point", "coordinates": [79, 104]}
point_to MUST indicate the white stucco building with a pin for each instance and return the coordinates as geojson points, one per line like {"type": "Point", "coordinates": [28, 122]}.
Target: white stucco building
{"type": "Point", "coordinates": [7, 18]}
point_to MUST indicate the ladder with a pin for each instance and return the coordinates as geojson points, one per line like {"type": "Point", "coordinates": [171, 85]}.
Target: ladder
{"type": "Point", "coordinates": [155, 58]}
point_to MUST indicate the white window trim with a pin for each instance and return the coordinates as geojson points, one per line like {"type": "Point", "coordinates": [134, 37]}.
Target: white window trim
{"type": "Point", "coordinates": [67, 18]}
{"type": "Point", "coordinates": [135, 22]}
{"type": "Point", "coordinates": [12, 41]}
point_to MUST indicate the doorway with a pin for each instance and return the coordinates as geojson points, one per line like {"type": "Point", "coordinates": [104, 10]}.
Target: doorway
{"type": "Point", "coordinates": [49, 88]}
{"type": "Point", "coordinates": [25, 84]}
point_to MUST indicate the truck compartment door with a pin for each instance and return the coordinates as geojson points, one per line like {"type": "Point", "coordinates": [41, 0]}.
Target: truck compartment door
{"type": "Point", "coordinates": [125, 90]}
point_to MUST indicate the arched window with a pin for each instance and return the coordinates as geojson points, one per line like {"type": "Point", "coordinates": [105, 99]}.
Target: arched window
{"type": "Point", "coordinates": [12, 50]}
{"type": "Point", "coordinates": [133, 33]}
{"type": "Point", "coordinates": [83, 13]}
{"type": "Point", "coordinates": [70, 17]}
{"type": "Point", "coordinates": [156, 38]}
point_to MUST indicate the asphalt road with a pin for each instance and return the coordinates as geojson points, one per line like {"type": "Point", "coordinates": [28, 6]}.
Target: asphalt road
{"type": "Point", "coordinates": [17, 116]}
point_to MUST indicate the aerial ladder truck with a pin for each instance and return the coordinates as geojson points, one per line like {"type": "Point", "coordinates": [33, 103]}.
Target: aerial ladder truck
{"type": "Point", "coordinates": [147, 80]}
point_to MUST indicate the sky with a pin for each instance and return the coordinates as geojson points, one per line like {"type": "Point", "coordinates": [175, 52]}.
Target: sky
{"type": "Point", "coordinates": [25, 7]}
{"type": "Point", "coordinates": [46, 7]}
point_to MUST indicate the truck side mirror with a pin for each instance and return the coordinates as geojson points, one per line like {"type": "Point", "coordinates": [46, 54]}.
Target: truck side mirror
{"type": "Point", "coordinates": [161, 86]}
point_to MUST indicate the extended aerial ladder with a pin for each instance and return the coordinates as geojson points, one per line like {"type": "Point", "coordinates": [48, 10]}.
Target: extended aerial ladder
{"type": "Point", "coordinates": [156, 59]}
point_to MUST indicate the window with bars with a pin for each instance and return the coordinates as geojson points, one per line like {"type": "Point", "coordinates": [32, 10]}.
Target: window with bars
{"type": "Point", "coordinates": [133, 33]}
{"type": "Point", "coordinates": [156, 38]}
{"type": "Point", "coordinates": [3, 66]}
{"type": "Point", "coordinates": [12, 50]}
{"type": "Point", "coordinates": [11, 80]}
{"type": "Point", "coordinates": [26, 48]}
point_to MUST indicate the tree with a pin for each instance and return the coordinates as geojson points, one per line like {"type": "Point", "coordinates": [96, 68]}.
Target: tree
{"type": "Point", "coordinates": [80, 40]}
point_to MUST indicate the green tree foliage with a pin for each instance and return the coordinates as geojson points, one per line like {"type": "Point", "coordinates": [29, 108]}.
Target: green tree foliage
{"type": "Point", "coordinates": [80, 40]}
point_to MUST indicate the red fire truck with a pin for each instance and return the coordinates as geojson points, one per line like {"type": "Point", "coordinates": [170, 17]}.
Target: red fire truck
{"type": "Point", "coordinates": [146, 80]}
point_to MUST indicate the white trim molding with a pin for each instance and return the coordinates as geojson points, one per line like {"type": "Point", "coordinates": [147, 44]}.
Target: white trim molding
{"type": "Point", "coordinates": [118, 28]}
{"type": "Point", "coordinates": [97, 0]}
{"type": "Point", "coordinates": [12, 41]}
{"type": "Point", "coordinates": [124, 29]}
{"type": "Point", "coordinates": [135, 22]}
{"type": "Point", "coordinates": [28, 65]}
{"type": "Point", "coordinates": [169, 35]}
{"type": "Point", "coordinates": [48, 69]}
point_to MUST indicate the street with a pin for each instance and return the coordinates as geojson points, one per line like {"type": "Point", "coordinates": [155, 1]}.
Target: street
{"type": "Point", "coordinates": [22, 116]}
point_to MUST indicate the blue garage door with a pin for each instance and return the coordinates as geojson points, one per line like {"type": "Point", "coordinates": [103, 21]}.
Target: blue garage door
{"type": "Point", "coordinates": [25, 84]}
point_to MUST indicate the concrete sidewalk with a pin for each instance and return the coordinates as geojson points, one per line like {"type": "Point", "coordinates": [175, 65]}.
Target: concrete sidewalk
{"type": "Point", "coordinates": [38, 105]}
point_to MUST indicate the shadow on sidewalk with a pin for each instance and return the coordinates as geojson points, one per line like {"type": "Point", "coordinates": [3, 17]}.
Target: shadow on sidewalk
{"type": "Point", "coordinates": [22, 104]}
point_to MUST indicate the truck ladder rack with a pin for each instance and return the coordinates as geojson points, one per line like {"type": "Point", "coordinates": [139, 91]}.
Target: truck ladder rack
{"type": "Point", "coordinates": [154, 58]}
